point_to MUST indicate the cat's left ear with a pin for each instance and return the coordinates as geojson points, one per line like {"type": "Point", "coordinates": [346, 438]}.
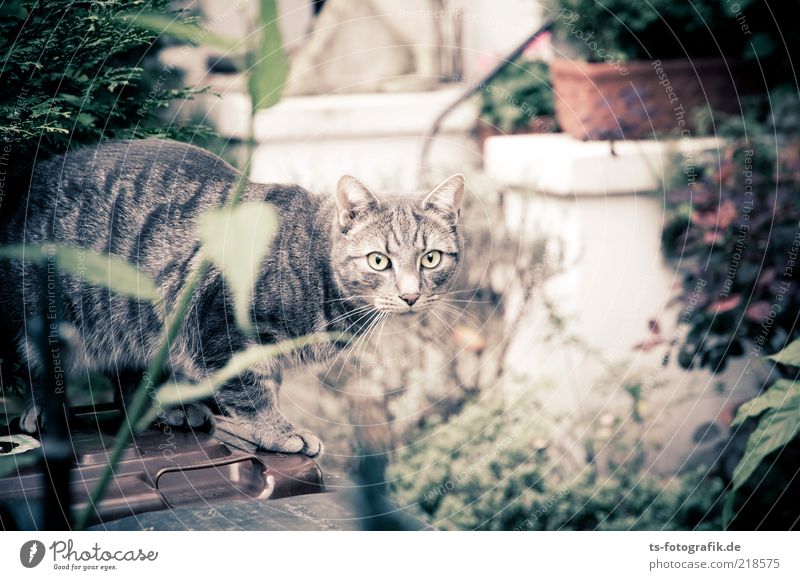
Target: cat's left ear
{"type": "Point", "coordinates": [351, 195]}
{"type": "Point", "coordinates": [448, 195]}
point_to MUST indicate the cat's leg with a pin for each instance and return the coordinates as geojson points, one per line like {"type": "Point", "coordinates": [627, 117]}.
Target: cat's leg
{"type": "Point", "coordinates": [253, 401]}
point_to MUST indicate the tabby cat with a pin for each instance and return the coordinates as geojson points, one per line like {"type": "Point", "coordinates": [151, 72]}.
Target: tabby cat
{"type": "Point", "coordinates": [336, 264]}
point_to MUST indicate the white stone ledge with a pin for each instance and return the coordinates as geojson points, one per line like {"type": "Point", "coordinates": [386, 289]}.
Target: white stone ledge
{"type": "Point", "coordinates": [361, 115]}
{"type": "Point", "coordinates": [558, 164]}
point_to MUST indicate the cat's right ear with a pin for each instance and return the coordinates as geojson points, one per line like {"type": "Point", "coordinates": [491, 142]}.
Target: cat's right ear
{"type": "Point", "coordinates": [448, 195]}
{"type": "Point", "coordinates": [352, 195]}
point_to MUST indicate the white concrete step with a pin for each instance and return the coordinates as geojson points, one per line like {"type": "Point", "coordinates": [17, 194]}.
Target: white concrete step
{"type": "Point", "coordinates": [376, 137]}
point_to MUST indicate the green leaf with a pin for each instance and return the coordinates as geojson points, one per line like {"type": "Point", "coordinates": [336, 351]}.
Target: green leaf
{"type": "Point", "coordinates": [777, 427]}
{"type": "Point", "coordinates": [270, 70]}
{"type": "Point", "coordinates": [789, 355]}
{"type": "Point", "coordinates": [237, 240]}
{"type": "Point", "coordinates": [86, 120]}
{"type": "Point", "coordinates": [779, 424]}
{"type": "Point", "coordinates": [186, 31]}
{"type": "Point", "coordinates": [775, 396]}
{"type": "Point", "coordinates": [170, 394]}
{"type": "Point", "coordinates": [93, 267]}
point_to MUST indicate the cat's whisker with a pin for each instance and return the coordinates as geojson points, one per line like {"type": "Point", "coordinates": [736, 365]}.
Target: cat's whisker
{"type": "Point", "coordinates": [355, 337]}
{"type": "Point", "coordinates": [346, 298]}
{"type": "Point", "coordinates": [446, 325]}
{"type": "Point", "coordinates": [475, 290]}
{"type": "Point", "coordinates": [364, 321]}
{"type": "Point", "coordinates": [456, 304]}
{"type": "Point", "coordinates": [332, 324]}
{"type": "Point", "coordinates": [349, 313]}
{"type": "Point", "coordinates": [361, 316]}
{"type": "Point", "coordinates": [462, 312]}
{"type": "Point", "coordinates": [469, 317]}
{"type": "Point", "coordinates": [451, 327]}
{"type": "Point", "coordinates": [381, 321]}
{"type": "Point", "coordinates": [380, 334]}
{"type": "Point", "coordinates": [442, 320]}
{"type": "Point", "coordinates": [368, 334]}
{"type": "Point", "coordinates": [353, 311]}
{"type": "Point", "coordinates": [361, 338]}
{"type": "Point", "coordinates": [356, 358]}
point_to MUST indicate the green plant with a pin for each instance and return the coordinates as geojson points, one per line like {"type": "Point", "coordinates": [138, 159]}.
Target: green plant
{"type": "Point", "coordinates": [631, 30]}
{"type": "Point", "coordinates": [73, 73]}
{"type": "Point", "coordinates": [519, 98]}
{"type": "Point", "coordinates": [491, 468]}
{"type": "Point", "coordinates": [733, 230]}
{"type": "Point", "coordinates": [102, 270]}
{"type": "Point", "coordinates": [777, 423]}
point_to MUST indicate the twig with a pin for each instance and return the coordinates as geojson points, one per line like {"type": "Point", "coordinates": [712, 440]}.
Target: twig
{"type": "Point", "coordinates": [427, 139]}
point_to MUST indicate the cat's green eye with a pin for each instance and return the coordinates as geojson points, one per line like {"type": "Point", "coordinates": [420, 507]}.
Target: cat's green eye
{"type": "Point", "coordinates": [431, 259]}
{"type": "Point", "coordinates": [378, 261]}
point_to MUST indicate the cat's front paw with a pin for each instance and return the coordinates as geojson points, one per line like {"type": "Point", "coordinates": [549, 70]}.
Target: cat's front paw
{"type": "Point", "coordinates": [289, 441]}
{"type": "Point", "coordinates": [190, 416]}
{"type": "Point", "coordinates": [31, 418]}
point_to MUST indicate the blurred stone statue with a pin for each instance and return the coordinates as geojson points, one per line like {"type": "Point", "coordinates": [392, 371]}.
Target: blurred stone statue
{"type": "Point", "coordinates": [378, 46]}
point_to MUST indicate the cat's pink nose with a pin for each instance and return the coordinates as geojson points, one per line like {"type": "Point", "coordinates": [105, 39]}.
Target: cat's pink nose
{"type": "Point", "coordinates": [410, 299]}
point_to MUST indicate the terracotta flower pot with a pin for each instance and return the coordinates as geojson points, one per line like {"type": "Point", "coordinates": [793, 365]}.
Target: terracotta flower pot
{"type": "Point", "coordinates": [642, 99]}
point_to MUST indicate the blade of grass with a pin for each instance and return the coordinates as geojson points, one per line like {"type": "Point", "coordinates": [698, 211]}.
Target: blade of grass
{"type": "Point", "coordinates": [93, 267]}
{"type": "Point", "coordinates": [141, 399]}
{"type": "Point", "coordinates": [270, 69]}
{"type": "Point", "coordinates": [176, 393]}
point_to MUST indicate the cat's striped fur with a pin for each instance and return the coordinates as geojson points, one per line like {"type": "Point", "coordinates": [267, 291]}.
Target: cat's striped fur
{"type": "Point", "coordinates": [140, 200]}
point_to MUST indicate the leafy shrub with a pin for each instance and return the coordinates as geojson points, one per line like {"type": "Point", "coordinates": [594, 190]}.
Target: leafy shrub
{"type": "Point", "coordinates": [489, 469]}
{"type": "Point", "coordinates": [73, 74]}
{"type": "Point", "coordinates": [633, 30]}
{"type": "Point", "coordinates": [733, 230]}
{"type": "Point", "coordinates": [734, 233]}
{"type": "Point", "coordinates": [519, 98]}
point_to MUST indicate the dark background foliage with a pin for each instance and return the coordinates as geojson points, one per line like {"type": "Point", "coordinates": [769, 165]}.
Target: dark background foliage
{"type": "Point", "coordinates": [737, 228]}
{"type": "Point", "coordinates": [74, 73]}
{"type": "Point", "coordinates": [733, 228]}
{"type": "Point", "coordinates": [663, 29]}
{"type": "Point", "coordinates": [520, 98]}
